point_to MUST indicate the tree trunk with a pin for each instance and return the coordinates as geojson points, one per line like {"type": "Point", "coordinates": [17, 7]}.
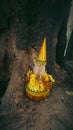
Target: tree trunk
{"type": "Point", "coordinates": [20, 61]}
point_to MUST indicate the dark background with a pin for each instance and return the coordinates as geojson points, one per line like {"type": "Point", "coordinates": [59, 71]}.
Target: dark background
{"type": "Point", "coordinates": [33, 20]}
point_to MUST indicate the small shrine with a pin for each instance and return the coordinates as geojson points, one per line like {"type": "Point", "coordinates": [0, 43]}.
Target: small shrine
{"type": "Point", "coordinates": [38, 81]}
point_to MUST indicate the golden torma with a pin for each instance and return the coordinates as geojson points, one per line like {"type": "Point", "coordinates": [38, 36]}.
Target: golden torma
{"type": "Point", "coordinates": [38, 81]}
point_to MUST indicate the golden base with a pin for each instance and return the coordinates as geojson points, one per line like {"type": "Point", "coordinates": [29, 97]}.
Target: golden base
{"type": "Point", "coordinates": [37, 95]}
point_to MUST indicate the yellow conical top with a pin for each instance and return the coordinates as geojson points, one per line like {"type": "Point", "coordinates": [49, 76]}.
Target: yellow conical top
{"type": "Point", "coordinates": [42, 53]}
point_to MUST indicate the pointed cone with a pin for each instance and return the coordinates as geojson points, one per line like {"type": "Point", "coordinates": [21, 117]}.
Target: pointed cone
{"type": "Point", "coordinates": [42, 53]}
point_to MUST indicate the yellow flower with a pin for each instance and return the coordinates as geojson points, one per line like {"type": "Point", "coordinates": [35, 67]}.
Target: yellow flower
{"type": "Point", "coordinates": [51, 78]}
{"type": "Point", "coordinates": [29, 72]}
{"type": "Point", "coordinates": [46, 76]}
{"type": "Point", "coordinates": [33, 76]}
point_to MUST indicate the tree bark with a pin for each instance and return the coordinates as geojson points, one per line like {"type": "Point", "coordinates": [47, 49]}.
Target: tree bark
{"type": "Point", "coordinates": [20, 61]}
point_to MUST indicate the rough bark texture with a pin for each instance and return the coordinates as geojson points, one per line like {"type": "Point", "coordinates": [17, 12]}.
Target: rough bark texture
{"type": "Point", "coordinates": [19, 62]}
